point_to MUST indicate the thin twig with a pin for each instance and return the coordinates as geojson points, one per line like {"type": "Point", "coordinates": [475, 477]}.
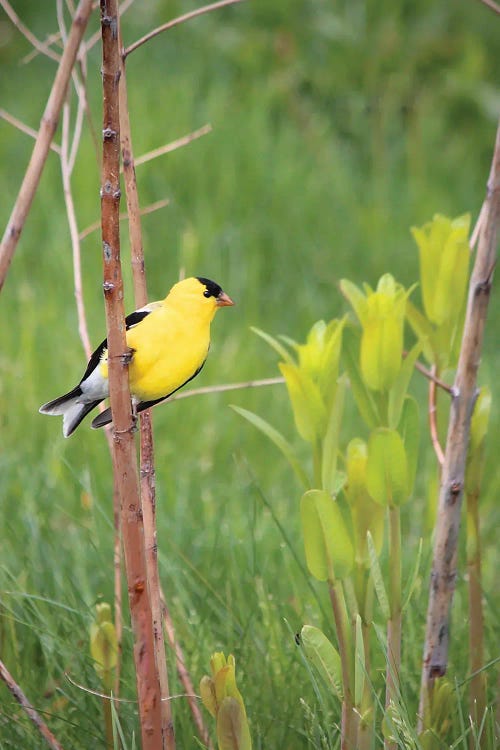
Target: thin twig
{"type": "Point", "coordinates": [46, 132]}
{"type": "Point", "coordinates": [33, 715]}
{"type": "Point", "coordinates": [73, 230]}
{"type": "Point", "coordinates": [444, 565]}
{"type": "Point", "coordinates": [114, 699]}
{"type": "Point", "coordinates": [124, 217]}
{"type": "Point", "coordinates": [27, 33]}
{"type": "Point", "coordinates": [25, 128]}
{"type": "Point", "coordinates": [124, 454]}
{"type": "Point", "coordinates": [177, 21]}
{"type": "Point", "coordinates": [430, 375]}
{"type": "Point", "coordinates": [433, 429]}
{"type": "Point", "coordinates": [477, 228]}
{"type": "Point", "coordinates": [226, 387]}
{"type": "Point", "coordinates": [49, 40]}
{"type": "Point", "coordinates": [183, 141]}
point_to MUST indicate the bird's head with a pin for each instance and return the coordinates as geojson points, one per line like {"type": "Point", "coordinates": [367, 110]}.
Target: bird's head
{"type": "Point", "coordinates": [198, 294]}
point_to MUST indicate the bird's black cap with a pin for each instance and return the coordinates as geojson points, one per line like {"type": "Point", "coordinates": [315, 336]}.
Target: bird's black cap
{"type": "Point", "coordinates": [213, 288]}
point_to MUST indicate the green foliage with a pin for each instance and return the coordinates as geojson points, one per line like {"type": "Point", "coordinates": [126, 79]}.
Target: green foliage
{"type": "Point", "coordinates": [329, 551]}
{"type": "Point", "coordinates": [367, 515]}
{"type": "Point", "coordinates": [336, 126]}
{"type": "Point", "coordinates": [381, 314]}
{"type": "Point", "coordinates": [324, 657]}
{"type": "Point", "coordinates": [223, 700]}
{"type": "Point", "coordinates": [104, 645]}
{"type": "Point", "coordinates": [444, 272]}
{"type": "Point", "coordinates": [387, 468]}
{"type": "Point", "coordinates": [477, 442]}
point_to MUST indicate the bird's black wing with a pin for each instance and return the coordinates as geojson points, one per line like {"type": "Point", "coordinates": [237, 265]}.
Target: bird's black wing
{"type": "Point", "coordinates": [105, 416]}
{"type": "Point", "coordinates": [130, 321]}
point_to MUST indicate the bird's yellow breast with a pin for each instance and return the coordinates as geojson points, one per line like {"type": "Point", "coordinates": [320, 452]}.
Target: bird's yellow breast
{"type": "Point", "coordinates": [168, 349]}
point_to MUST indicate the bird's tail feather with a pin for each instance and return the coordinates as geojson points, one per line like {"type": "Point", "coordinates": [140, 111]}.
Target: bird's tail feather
{"type": "Point", "coordinates": [59, 405]}
{"type": "Point", "coordinates": [71, 409]}
{"type": "Point", "coordinates": [103, 418]}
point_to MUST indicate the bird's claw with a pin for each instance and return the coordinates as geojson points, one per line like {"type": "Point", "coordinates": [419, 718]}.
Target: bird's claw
{"type": "Point", "coordinates": [127, 356]}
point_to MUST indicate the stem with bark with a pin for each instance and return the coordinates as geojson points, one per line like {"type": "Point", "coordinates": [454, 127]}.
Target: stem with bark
{"type": "Point", "coordinates": [444, 565]}
{"type": "Point", "coordinates": [124, 454]}
{"type": "Point", "coordinates": [147, 468]}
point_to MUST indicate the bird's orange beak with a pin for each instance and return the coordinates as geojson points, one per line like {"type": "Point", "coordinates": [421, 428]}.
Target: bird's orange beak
{"type": "Point", "coordinates": [224, 300]}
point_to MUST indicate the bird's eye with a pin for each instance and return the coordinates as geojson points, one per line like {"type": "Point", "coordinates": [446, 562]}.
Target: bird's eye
{"type": "Point", "coordinates": [206, 293]}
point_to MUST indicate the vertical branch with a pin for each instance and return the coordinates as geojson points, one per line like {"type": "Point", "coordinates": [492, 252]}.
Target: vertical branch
{"type": "Point", "coordinates": [48, 126]}
{"type": "Point", "coordinates": [124, 456]}
{"type": "Point", "coordinates": [444, 562]}
{"type": "Point", "coordinates": [148, 491]}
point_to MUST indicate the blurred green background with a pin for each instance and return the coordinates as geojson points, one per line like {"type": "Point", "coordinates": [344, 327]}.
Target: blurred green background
{"type": "Point", "coordinates": [336, 126]}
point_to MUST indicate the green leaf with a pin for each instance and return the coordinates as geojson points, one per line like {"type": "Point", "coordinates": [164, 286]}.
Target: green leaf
{"type": "Point", "coordinates": [444, 261]}
{"type": "Point", "coordinates": [400, 386]}
{"type": "Point", "coordinates": [307, 404]}
{"type": "Point", "coordinates": [366, 514]}
{"type": "Point", "coordinates": [378, 581]}
{"type": "Point", "coordinates": [454, 270]}
{"type": "Point", "coordinates": [328, 547]}
{"type": "Point", "coordinates": [232, 726]}
{"type": "Point", "coordinates": [331, 439]}
{"type": "Point", "coordinates": [359, 664]}
{"type": "Point", "coordinates": [382, 337]}
{"type": "Point", "coordinates": [207, 693]}
{"type": "Point", "coordinates": [423, 331]}
{"type": "Point", "coordinates": [278, 439]}
{"type": "Point", "coordinates": [324, 656]}
{"type": "Point", "coordinates": [387, 468]}
{"type": "Point", "coordinates": [478, 430]}
{"type": "Point", "coordinates": [356, 298]}
{"type": "Point", "coordinates": [330, 357]}
{"type": "Point", "coordinates": [410, 586]}
{"type": "Point", "coordinates": [363, 397]}
{"type": "Point", "coordinates": [480, 418]}
{"type": "Point", "coordinates": [409, 429]}
{"type": "Point", "coordinates": [275, 344]}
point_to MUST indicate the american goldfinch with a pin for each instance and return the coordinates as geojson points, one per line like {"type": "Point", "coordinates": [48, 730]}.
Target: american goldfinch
{"type": "Point", "coordinates": [168, 343]}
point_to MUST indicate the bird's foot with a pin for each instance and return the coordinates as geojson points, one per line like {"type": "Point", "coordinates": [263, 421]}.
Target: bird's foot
{"type": "Point", "coordinates": [127, 356]}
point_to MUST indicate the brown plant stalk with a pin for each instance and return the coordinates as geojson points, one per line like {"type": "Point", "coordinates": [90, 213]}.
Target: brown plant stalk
{"type": "Point", "coordinates": [124, 455]}
{"type": "Point", "coordinates": [48, 126]}
{"type": "Point", "coordinates": [33, 715]}
{"type": "Point", "coordinates": [444, 565]}
{"type": "Point", "coordinates": [147, 469]}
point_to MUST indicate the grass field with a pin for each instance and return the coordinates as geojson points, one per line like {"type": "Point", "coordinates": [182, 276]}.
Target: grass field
{"type": "Point", "coordinates": [336, 126]}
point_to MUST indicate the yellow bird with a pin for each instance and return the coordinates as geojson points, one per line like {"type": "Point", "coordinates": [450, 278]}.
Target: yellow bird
{"type": "Point", "coordinates": [168, 343]}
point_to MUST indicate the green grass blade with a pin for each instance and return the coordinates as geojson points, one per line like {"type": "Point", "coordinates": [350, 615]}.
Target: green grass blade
{"type": "Point", "coordinates": [378, 581]}
{"type": "Point", "coordinates": [278, 439]}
